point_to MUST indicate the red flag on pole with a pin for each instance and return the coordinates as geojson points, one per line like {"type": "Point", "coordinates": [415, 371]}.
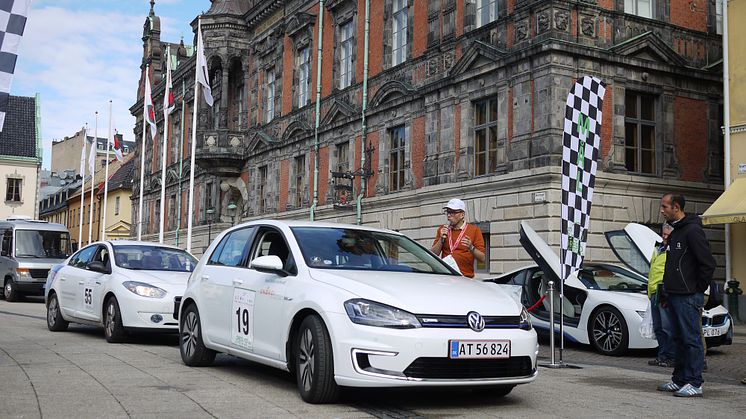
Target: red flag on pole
{"type": "Point", "coordinates": [149, 109]}
{"type": "Point", "coordinates": [168, 96]}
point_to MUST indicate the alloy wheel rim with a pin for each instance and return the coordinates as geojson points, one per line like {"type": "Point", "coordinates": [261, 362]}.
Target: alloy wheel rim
{"type": "Point", "coordinates": [52, 311]}
{"type": "Point", "coordinates": [607, 331]}
{"type": "Point", "coordinates": [8, 289]}
{"type": "Point", "coordinates": [189, 334]}
{"type": "Point", "coordinates": [306, 356]}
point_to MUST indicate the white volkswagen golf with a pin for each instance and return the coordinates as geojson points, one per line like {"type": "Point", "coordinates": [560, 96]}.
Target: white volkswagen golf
{"type": "Point", "coordinates": [340, 305]}
{"type": "Point", "coordinates": [136, 292]}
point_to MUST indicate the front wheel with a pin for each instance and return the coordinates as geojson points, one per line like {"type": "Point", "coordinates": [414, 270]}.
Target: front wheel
{"type": "Point", "coordinates": [193, 350]}
{"type": "Point", "coordinates": [55, 322]}
{"type": "Point", "coordinates": [314, 362]}
{"type": "Point", "coordinates": [113, 328]}
{"type": "Point", "coordinates": [9, 291]}
{"type": "Point", "coordinates": [608, 331]}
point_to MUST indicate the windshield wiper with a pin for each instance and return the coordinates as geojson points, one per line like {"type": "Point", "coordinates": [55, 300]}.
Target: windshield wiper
{"type": "Point", "coordinates": [29, 256]}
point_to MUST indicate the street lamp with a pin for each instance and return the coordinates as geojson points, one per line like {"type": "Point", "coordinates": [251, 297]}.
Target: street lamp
{"type": "Point", "coordinates": [232, 212]}
{"type": "Point", "coordinates": [208, 213]}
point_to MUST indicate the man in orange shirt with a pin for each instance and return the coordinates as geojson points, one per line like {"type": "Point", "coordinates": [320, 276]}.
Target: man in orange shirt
{"type": "Point", "coordinates": [458, 239]}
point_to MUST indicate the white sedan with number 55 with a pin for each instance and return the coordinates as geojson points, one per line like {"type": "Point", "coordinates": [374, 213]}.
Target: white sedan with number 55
{"type": "Point", "coordinates": [121, 285]}
{"type": "Point", "coordinates": [339, 305]}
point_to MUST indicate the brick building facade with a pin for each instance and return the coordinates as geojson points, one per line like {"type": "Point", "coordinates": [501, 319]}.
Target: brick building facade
{"type": "Point", "coordinates": [464, 98]}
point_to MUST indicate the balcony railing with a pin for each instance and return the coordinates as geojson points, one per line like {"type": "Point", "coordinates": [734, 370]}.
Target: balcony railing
{"type": "Point", "coordinates": [221, 152]}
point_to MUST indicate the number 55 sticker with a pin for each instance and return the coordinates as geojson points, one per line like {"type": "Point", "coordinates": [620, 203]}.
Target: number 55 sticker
{"type": "Point", "coordinates": [242, 330]}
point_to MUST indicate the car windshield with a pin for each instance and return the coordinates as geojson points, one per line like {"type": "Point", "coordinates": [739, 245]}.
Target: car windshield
{"type": "Point", "coordinates": [611, 278]}
{"type": "Point", "coordinates": [153, 258]}
{"type": "Point", "coordinates": [42, 244]}
{"type": "Point", "coordinates": [353, 249]}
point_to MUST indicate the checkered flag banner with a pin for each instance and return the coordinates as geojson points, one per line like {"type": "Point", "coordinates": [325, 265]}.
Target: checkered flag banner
{"type": "Point", "coordinates": [12, 23]}
{"type": "Point", "coordinates": [580, 151]}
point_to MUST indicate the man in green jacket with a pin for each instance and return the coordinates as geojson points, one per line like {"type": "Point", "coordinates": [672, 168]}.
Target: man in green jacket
{"type": "Point", "coordinates": [659, 310]}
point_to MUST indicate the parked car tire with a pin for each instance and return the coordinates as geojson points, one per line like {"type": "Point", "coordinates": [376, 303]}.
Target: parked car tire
{"type": "Point", "coordinates": [608, 331]}
{"type": "Point", "coordinates": [9, 291]}
{"type": "Point", "coordinates": [113, 328]}
{"type": "Point", "coordinates": [193, 350]}
{"type": "Point", "coordinates": [314, 362]}
{"type": "Point", "coordinates": [55, 322]}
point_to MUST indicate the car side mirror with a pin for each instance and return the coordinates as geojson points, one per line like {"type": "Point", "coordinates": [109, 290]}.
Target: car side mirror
{"type": "Point", "coordinates": [98, 266]}
{"type": "Point", "coordinates": [268, 264]}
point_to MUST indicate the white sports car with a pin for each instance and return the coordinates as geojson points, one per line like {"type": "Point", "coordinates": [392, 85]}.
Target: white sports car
{"type": "Point", "coordinates": [340, 305]}
{"type": "Point", "coordinates": [136, 292]}
{"type": "Point", "coordinates": [604, 304]}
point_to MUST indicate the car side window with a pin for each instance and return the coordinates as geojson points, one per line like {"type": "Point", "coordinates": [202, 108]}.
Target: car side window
{"type": "Point", "coordinates": [231, 250]}
{"type": "Point", "coordinates": [81, 259]}
{"type": "Point", "coordinates": [271, 242]}
{"type": "Point", "coordinates": [102, 255]}
{"type": "Point", "coordinates": [7, 241]}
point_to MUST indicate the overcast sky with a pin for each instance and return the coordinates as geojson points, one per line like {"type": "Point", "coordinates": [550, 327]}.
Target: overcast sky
{"type": "Point", "coordinates": [79, 54]}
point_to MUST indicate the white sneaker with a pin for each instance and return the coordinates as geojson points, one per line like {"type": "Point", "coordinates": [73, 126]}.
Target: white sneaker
{"type": "Point", "coordinates": [689, 391]}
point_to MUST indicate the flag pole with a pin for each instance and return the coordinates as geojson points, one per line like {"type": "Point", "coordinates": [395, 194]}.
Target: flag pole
{"type": "Point", "coordinates": [163, 152]}
{"type": "Point", "coordinates": [94, 145]}
{"type": "Point", "coordinates": [193, 149]}
{"type": "Point", "coordinates": [102, 211]}
{"type": "Point", "coordinates": [181, 160]}
{"type": "Point", "coordinates": [142, 159]}
{"type": "Point", "coordinates": [83, 156]}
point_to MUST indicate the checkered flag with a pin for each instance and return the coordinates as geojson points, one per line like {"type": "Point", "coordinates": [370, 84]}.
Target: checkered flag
{"type": "Point", "coordinates": [579, 161]}
{"type": "Point", "coordinates": [12, 23]}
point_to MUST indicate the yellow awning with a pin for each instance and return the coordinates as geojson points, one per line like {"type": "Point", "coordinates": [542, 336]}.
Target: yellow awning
{"type": "Point", "coordinates": [730, 207]}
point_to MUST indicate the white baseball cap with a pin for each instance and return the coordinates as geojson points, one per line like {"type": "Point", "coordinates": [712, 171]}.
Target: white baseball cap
{"type": "Point", "coordinates": [456, 205]}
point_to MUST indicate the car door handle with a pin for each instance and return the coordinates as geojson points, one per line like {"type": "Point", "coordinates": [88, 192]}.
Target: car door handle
{"type": "Point", "coordinates": [205, 277]}
{"type": "Point", "coordinates": [237, 282]}
{"type": "Point", "coordinates": [98, 282]}
{"type": "Point", "coordinates": [81, 282]}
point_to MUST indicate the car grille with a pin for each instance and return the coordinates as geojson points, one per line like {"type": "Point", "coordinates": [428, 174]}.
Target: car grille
{"type": "Point", "coordinates": [39, 273]}
{"type": "Point", "coordinates": [446, 368]}
{"type": "Point", "coordinates": [441, 321]}
{"type": "Point", "coordinates": [717, 320]}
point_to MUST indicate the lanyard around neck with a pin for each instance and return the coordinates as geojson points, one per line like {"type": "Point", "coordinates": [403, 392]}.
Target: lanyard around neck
{"type": "Point", "coordinates": [458, 239]}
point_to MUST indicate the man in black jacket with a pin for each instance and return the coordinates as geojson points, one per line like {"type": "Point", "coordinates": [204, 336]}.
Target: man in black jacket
{"type": "Point", "coordinates": [688, 272]}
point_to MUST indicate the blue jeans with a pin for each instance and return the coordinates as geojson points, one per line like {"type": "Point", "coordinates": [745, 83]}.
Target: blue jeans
{"type": "Point", "coordinates": [686, 325]}
{"type": "Point", "coordinates": [662, 328]}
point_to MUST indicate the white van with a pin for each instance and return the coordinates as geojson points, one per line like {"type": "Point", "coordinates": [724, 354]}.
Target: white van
{"type": "Point", "coordinates": [29, 249]}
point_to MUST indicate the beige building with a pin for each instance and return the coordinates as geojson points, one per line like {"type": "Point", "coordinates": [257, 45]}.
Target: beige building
{"type": "Point", "coordinates": [118, 203]}
{"type": "Point", "coordinates": [20, 157]}
{"type": "Point", "coordinates": [66, 152]}
{"type": "Point", "coordinates": [730, 208]}
{"type": "Point", "coordinates": [64, 206]}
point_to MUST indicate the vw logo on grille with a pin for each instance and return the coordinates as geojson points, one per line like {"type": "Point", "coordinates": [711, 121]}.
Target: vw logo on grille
{"type": "Point", "coordinates": [476, 322]}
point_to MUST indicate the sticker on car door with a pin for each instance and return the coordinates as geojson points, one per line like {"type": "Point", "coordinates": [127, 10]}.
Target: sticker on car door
{"type": "Point", "coordinates": [242, 329]}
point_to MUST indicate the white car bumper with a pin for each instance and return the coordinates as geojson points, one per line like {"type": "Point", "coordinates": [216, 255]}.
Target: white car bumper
{"type": "Point", "coordinates": [366, 356]}
{"type": "Point", "coordinates": [147, 313]}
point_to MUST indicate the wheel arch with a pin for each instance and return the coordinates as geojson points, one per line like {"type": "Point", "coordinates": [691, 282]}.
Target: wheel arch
{"type": "Point", "coordinates": [184, 304]}
{"type": "Point", "coordinates": [104, 302]}
{"type": "Point", "coordinates": [293, 332]}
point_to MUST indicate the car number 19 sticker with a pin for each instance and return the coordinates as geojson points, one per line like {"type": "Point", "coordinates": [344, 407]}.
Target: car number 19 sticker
{"type": "Point", "coordinates": [242, 330]}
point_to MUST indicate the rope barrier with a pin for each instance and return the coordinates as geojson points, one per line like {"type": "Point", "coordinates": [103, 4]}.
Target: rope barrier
{"type": "Point", "coordinates": [536, 304]}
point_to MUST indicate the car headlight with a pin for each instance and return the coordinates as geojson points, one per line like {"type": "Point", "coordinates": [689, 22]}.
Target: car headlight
{"type": "Point", "coordinates": [525, 320]}
{"type": "Point", "coordinates": [371, 313]}
{"type": "Point", "coordinates": [145, 290]}
{"type": "Point", "coordinates": [23, 274]}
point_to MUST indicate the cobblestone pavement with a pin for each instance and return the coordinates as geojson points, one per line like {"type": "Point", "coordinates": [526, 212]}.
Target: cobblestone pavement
{"type": "Point", "coordinates": [724, 363]}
